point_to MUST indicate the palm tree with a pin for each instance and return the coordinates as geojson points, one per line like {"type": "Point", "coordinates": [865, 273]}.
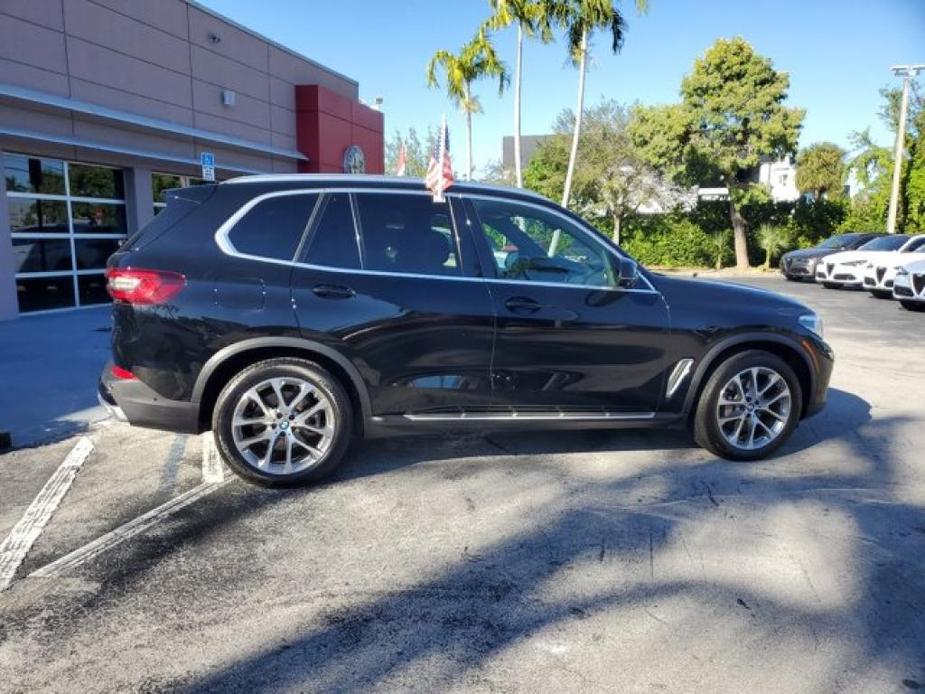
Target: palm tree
{"type": "Point", "coordinates": [533, 18]}
{"type": "Point", "coordinates": [580, 18]}
{"type": "Point", "coordinates": [475, 60]}
{"type": "Point", "coordinates": [772, 240]}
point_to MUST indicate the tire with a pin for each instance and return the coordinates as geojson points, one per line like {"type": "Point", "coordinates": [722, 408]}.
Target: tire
{"type": "Point", "coordinates": [791, 278]}
{"type": "Point", "coordinates": [881, 293]}
{"type": "Point", "coordinates": [831, 285]}
{"type": "Point", "coordinates": [316, 443]}
{"type": "Point", "coordinates": [917, 306]}
{"type": "Point", "coordinates": [711, 435]}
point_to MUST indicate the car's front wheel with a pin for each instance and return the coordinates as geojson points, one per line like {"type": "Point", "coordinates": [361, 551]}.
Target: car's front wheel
{"type": "Point", "coordinates": [831, 285]}
{"type": "Point", "coordinates": [283, 422]}
{"type": "Point", "coordinates": [882, 293]}
{"type": "Point", "coordinates": [912, 305]}
{"type": "Point", "coordinates": [749, 406]}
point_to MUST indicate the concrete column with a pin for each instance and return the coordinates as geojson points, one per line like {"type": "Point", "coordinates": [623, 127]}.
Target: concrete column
{"type": "Point", "coordinates": [139, 198]}
{"type": "Point", "coordinates": [9, 303]}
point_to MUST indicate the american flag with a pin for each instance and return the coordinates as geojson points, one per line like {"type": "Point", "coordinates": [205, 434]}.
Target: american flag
{"type": "Point", "coordinates": [439, 175]}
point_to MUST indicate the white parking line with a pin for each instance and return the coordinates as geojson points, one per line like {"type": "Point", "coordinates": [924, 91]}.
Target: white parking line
{"type": "Point", "coordinates": [30, 526]}
{"type": "Point", "coordinates": [126, 531]}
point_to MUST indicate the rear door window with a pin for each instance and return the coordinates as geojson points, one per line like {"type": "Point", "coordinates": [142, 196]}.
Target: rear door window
{"type": "Point", "coordinates": [407, 234]}
{"type": "Point", "coordinates": [334, 241]}
{"type": "Point", "coordinates": [273, 228]}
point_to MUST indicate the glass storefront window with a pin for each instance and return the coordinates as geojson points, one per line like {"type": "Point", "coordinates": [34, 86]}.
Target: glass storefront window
{"type": "Point", "coordinates": [66, 219]}
{"type": "Point", "coordinates": [92, 289]}
{"type": "Point", "coordinates": [42, 255]}
{"type": "Point", "coordinates": [43, 293]}
{"type": "Point", "coordinates": [28, 216]}
{"type": "Point", "coordinates": [95, 182]}
{"type": "Point", "coordinates": [33, 175]}
{"type": "Point", "coordinates": [92, 254]}
{"type": "Point", "coordinates": [98, 218]}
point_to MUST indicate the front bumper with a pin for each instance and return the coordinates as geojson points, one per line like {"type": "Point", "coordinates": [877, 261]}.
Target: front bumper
{"type": "Point", "coordinates": [802, 269]}
{"type": "Point", "coordinates": [848, 276]}
{"type": "Point", "coordinates": [822, 360]}
{"type": "Point", "coordinates": [909, 287]}
{"type": "Point", "coordinates": [879, 278]}
{"type": "Point", "coordinates": [134, 402]}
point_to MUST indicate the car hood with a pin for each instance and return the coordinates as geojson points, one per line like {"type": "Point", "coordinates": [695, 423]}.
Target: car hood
{"type": "Point", "coordinates": [809, 253]}
{"type": "Point", "coordinates": [916, 266]}
{"type": "Point", "coordinates": [729, 300]}
{"type": "Point", "coordinates": [869, 256]}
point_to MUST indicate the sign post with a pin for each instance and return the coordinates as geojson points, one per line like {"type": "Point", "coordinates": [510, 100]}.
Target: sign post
{"type": "Point", "coordinates": [207, 161]}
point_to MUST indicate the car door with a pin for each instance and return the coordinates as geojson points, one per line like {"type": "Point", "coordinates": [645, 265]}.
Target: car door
{"type": "Point", "coordinates": [384, 279]}
{"type": "Point", "coordinates": [569, 336]}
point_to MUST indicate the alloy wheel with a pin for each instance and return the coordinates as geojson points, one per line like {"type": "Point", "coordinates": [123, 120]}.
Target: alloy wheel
{"type": "Point", "coordinates": [753, 408]}
{"type": "Point", "coordinates": [283, 425]}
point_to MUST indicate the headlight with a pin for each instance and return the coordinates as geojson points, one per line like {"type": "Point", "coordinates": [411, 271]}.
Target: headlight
{"type": "Point", "coordinates": [901, 271]}
{"type": "Point", "coordinates": [812, 322]}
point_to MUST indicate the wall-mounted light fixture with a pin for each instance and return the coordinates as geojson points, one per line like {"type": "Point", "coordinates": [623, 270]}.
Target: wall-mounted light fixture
{"type": "Point", "coordinates": [214, 38]}
{"type": "Point", "coordinates": [228, 97]}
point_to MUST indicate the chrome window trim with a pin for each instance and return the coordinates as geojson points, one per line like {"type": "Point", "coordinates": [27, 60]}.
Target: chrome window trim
{"type": "Point", "coordinates": [225, 245]}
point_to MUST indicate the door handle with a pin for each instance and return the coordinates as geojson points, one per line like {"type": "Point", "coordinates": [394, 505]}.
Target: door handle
{"type": "Point", "coordinates": [522, 304]}
{"type": "Point", "coordinates": [333, 291]}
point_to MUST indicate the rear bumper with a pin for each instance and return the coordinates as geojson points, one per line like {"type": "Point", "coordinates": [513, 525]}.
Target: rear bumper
{"type": "Point", "coordinates": [133, 402]}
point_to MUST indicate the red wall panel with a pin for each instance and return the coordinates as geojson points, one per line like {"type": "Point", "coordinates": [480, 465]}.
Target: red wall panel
{"type": "Point", "coordinates": [328, 123]}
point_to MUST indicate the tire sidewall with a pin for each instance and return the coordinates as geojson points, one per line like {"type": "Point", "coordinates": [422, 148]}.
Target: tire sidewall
{"type": "Point", "coordinates": [276, 368]}
{"type": "Point", "coordinates": [707, 429]}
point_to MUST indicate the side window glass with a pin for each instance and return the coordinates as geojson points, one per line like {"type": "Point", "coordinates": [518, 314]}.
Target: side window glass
{"type": "Point", "coordinates": [407, 234]}
{"type": "Point", "coordinates": [532, 245]}
{"type": "Point", "coordinates": [273, 227]}
{"type": "Point", "coordinates": [334, 241]}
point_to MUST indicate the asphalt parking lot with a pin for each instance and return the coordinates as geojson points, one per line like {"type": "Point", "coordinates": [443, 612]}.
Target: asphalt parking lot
{"type": "Point", "coordinates": [580, 561]}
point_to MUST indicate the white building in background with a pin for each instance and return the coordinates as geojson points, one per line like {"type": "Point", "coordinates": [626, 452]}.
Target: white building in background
{"type": "Point", "coordinates": [778, 176]}
{"type": "Point", "coordinates": [781, 177]}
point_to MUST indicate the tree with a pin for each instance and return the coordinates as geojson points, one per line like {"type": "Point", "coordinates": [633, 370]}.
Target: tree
{"type": "Point", "coordinates": [821, 170]}
{"type": "Point", "coordinates": [417, 154]}
{"type": "Point", "coordinates": [580, 18]}
{"type": "Point", "coordinates": [533, 18]}
{"type": "Point", "coordinates": [475, 60]}
{"type": "Point", "coordinates": [772, 240]}
{"type": "Point", "coordinates": [611, 179]}
{"type": "Point", "coordinates": [730, 116]}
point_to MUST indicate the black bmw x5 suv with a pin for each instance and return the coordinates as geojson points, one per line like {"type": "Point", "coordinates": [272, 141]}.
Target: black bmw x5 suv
{"type": "Point", "coordinates": [289, 314]}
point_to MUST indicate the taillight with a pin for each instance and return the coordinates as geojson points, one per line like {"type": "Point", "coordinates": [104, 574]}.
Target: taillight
{"type": "Point", "coordinates": [123, 374]}
{"type": "Point", "coordinates": [143, 287]}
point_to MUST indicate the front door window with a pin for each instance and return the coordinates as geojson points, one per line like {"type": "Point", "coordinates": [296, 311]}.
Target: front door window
{"type": "Point", "coordinates": [530, 244]}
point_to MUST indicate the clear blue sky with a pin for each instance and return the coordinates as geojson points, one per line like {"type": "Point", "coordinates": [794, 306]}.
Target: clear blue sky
{"type": "Point", "coordinates": [837, 53]}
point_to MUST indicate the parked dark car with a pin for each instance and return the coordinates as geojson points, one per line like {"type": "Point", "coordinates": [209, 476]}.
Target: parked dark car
{"type": "Point", "coordinates": [801, 264]}
{"type": "Point", "coordinates": [291, 313]}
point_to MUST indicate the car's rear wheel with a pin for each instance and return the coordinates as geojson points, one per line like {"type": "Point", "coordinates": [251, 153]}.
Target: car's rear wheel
{"type": "Point", "coordinates": [283, 422]}
{"type": "Point", "coordinates": [749, 406]}
{"type": "Point", "coordinates": [913, 305]}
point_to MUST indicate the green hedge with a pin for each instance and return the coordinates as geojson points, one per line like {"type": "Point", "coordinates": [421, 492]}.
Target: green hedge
{"type": "Point", "coordinates": [695, 238]}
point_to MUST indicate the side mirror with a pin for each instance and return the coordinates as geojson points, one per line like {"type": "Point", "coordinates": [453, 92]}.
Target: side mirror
{"type": "Point", "coordinates": [627, 273]}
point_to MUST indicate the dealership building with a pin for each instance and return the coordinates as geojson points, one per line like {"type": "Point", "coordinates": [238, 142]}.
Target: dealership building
{"type": "Point", "coordinates": [104, 104]}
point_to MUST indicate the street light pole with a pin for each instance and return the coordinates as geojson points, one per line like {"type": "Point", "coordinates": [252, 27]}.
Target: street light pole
{"type": "Point", "coordinates": [908, 72]}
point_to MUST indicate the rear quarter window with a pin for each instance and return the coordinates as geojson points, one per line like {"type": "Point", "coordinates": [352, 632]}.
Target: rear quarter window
{"type": "Point", "coordinates": [273, 227]}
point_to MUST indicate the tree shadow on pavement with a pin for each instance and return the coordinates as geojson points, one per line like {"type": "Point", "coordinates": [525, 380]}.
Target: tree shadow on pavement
{"type": "Point", "coordinates": [620, 550]}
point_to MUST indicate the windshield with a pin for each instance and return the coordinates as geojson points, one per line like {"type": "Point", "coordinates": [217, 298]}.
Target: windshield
{"type": "Point", "coordinates": [885, 243]}
{"type": "Point", "coordinates": [840, 241]}
{"type": "Point", "coordinates": [916, 245]}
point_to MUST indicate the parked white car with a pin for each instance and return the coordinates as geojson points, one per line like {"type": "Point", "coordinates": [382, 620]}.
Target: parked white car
{"type": "Point", "coordinates": [881, 271]}
{"type": "Point", "coordinates": [909, 285]}
{"type": "Point", "coordinates": [846, 269]}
